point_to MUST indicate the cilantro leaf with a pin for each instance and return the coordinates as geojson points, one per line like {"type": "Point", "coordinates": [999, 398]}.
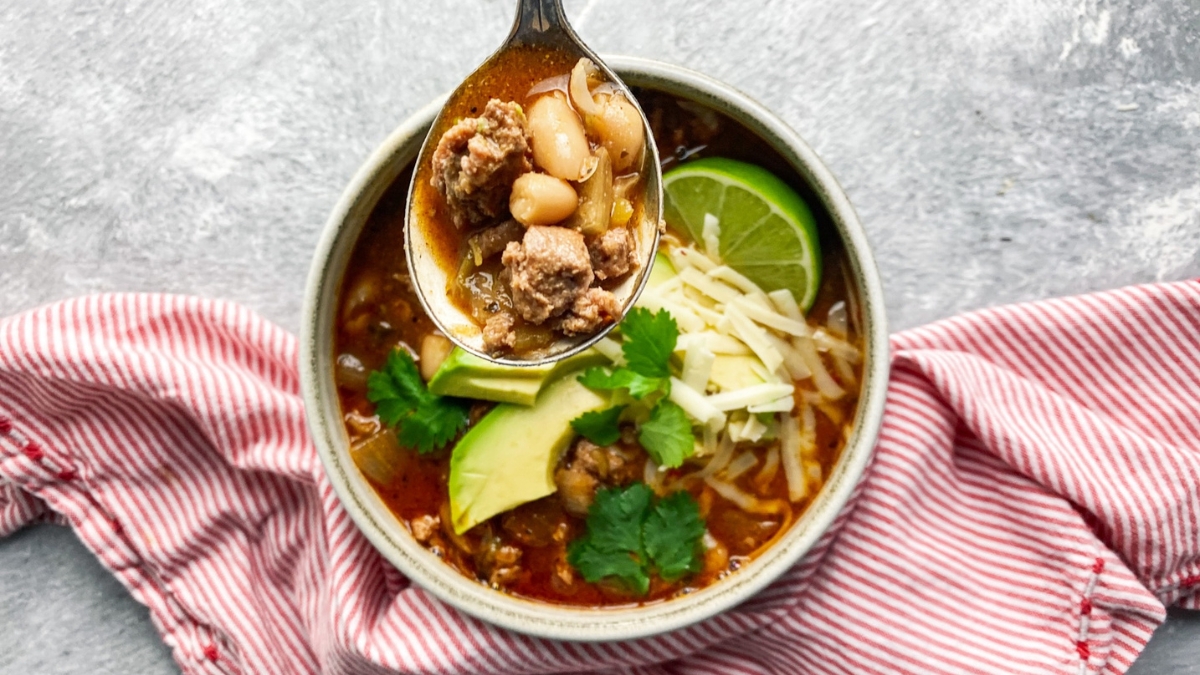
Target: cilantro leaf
{"type": "Point", "coordinates": [396, 390]}
{"type": "Point", "coordinates": [615, 518]}
{"type": "Point", "coordinates": [667, 435]}
{"type": "Point", "coordinates": [613, 546]}
{"type": "Point", "coordinates": [672, 536]}
{"type": "Point", "coordinates": [595, 565]}
{"type": "Point", "coordinates": [426, 421]}
{"type": "Point", "coordinates": [432, 425]}
{"type": "Point", "coordinates": [630, 533]}
{"type": "Point", "coordinates": [599, 426]}
{"type": "Point", "coordinates": [639, 386]}
{"type": "Point", "coordinates": [648, 341]}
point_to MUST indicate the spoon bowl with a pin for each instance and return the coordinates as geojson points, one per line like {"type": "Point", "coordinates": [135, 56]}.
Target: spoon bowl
{"type": "Point", "coordinates": [542, 38]}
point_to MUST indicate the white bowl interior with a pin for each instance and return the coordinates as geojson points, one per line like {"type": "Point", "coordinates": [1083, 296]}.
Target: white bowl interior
{"type": "Point", "coordinates": [393, 540]}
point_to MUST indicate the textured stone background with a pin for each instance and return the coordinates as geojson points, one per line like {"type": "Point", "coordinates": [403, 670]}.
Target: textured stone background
{"type": "Point", "coordinates": [997, 152]}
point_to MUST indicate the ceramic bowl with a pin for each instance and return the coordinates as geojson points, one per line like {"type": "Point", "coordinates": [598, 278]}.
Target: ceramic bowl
{"type": "Point", "coordinates": [393, 540]}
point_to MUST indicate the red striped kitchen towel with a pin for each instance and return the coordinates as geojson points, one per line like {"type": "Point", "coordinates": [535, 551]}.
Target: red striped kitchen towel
{"type": "Point", "coordinates": [1032, 506]}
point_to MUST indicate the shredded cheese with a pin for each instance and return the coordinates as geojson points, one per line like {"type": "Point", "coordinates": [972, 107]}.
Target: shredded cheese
{"type": "Point", "coordinates": [711, 233]}
{"type": "Point", "coordinates": [820, 374]}
{"type": "Point", "coordinates": [770, 318]}
{"type": "Point", "coordinates": [736, 279]}
{"type": "Point", "coordinates": [785, 302]}
{"type": "Point", "coordinates": [696, 405]}
{"type": "Point", "coordinates": [781, 404]}
{"type": "Point", "coordinates": [697, 365]}
{"type": "Point", "coordinates": [689, 257]}
{"type": "Point", "coordinates": [747, 396]}
{"type": "Point", "coordinates": [754, 337]}
{"type": "Point", "coordinates": [789, 456]}
{"type": "Point", "coordinates": [708, 286]}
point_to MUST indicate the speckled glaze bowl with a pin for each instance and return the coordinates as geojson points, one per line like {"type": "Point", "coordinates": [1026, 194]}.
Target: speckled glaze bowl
{"type": "Point", "coordinates": [393, 540]}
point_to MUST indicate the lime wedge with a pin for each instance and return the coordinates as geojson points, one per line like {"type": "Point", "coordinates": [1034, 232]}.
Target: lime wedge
{"type": "Point", "coordinates": [767, 232]}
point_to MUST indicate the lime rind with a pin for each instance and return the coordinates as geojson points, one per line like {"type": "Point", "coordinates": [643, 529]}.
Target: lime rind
{"type": "Point", "coordinates": [768, 233]}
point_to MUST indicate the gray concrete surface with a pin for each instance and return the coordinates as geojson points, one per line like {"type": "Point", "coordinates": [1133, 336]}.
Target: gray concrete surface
{"type": "Point", "coordinates": [997, 152]}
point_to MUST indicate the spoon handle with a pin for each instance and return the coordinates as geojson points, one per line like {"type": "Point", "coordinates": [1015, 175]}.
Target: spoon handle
{"type": "Point", "coordinates": [539, 19]}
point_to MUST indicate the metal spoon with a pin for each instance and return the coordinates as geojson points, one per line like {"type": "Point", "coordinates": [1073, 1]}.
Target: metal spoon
{"type": "Point", "coordinates": [541, 30]}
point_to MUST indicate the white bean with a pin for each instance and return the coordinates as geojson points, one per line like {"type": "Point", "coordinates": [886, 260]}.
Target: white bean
{"type": "Point", "coordinates": [434, 350]}
{"type": "Point", "coordinates": [538, 199]}
{"type": "Point", "coordinates": [560, 146]}
{"type": "Point", "coordinates": [619, 127]}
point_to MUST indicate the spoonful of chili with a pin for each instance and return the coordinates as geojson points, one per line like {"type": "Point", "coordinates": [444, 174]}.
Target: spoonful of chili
{"type": "Point", "coordinates": [533, 215]}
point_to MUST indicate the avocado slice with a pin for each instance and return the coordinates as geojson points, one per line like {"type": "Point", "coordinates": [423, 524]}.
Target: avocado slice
{"type": "Point", "coordinates": [508, 458]}
{"type": "Point", "coordinates": [468, 376]}
{"type": "Point", "coordinates": [735, 371]}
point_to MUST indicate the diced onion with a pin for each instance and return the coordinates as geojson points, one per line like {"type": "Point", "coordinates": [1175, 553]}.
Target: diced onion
{"type": "Point", "coordinates": [378, 456]}
{"type": "Point", "coordinates": [748, 396]}
{"type": "Point", "coordinates": [651, 475]}
{"type": "Point", "coordinates": [581, 96]}
{"type": "Point", "coordinates": [435, 347]}
{"type": "Point", "coordinates": [836, 319]}
{"type": "Point", "coordinates": [814, 472]}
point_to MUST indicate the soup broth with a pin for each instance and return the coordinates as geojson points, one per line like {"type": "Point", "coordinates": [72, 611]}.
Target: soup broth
{"type": "Point", "coordinates": [524, 551]}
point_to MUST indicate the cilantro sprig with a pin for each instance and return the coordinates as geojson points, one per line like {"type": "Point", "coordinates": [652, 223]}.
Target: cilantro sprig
{"type": "Point", "coordinates": [631, 535]}
{"type": "Point", "coordinates": [667, 435]}
{"type": "Point", "coordinates": [648, 342]}
{"type": "Point", "coordinates": [424, 421]}
{"type": "Point", "coordinates": [601, 426]}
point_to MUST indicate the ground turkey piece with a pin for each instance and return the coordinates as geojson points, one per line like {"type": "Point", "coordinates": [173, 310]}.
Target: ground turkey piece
{"type": "Point", "coordinates": [590, 311]}
{"type": "Point", "coordinates": [478, 159]}
{"type": "Point", "coordinates": [490, 241]}
{"type": "Point", "coordinates": [498, 333]}
{"type": "Point", "coordinates": [587, 467]}
{"type": "Point", "coordinates": [549, 271]}
{"type": "Point", "coordinates": [612, 253]}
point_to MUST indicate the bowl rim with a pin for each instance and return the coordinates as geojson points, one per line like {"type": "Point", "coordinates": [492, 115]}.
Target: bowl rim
{"type": "Point", "coordinates": [385, 532]}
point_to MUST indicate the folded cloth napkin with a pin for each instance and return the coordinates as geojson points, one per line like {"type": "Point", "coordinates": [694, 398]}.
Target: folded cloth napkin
{"type": "Point", "coordinates": [1033, 502]}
